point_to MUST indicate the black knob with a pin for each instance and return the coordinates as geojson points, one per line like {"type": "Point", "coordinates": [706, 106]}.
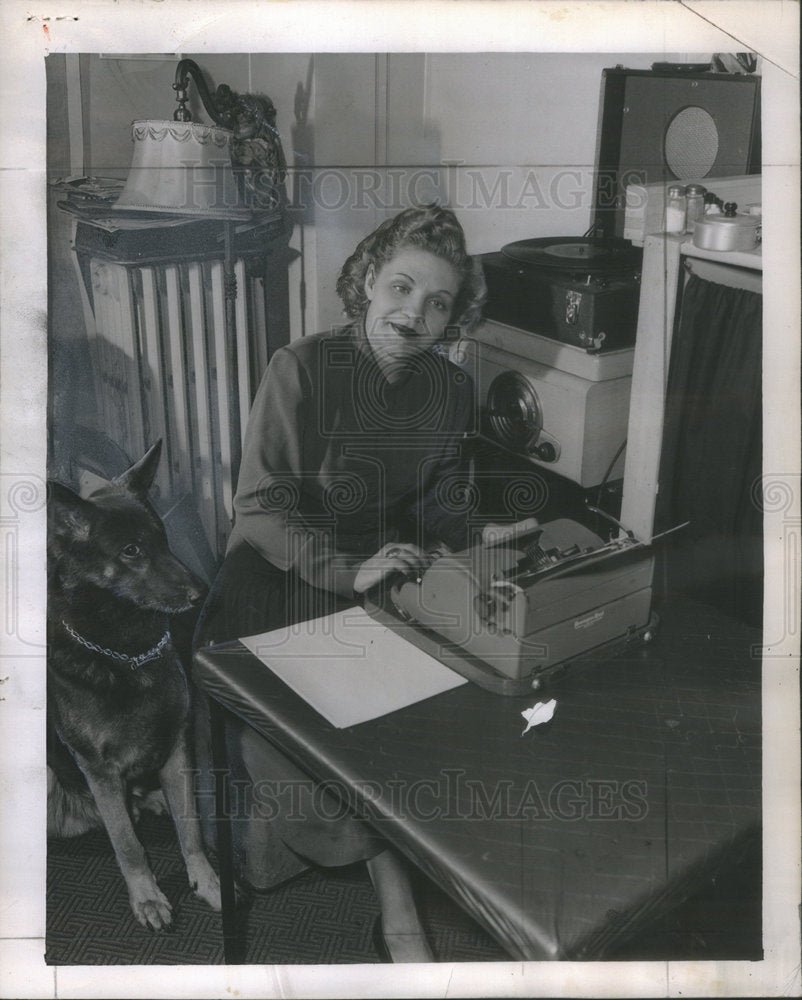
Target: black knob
{"type": "Point", "coordinates": [546, 452]}
{"type": "Point", "coordinates": [730, 208]}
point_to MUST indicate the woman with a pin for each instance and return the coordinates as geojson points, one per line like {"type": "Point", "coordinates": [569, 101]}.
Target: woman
{"type": "Point", "coordinates": [350, 434]}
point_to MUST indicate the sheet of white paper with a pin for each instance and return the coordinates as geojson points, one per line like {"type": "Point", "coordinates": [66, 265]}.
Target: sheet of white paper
{"type": "Point", "coordinates": [351, 668]}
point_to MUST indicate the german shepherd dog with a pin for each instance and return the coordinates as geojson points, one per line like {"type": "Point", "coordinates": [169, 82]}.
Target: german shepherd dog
{"type": "Point", "coordinates": [118, 702]}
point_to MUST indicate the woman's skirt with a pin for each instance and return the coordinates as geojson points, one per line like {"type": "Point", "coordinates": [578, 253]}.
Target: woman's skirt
{"type": "Point", "coordinates": [249, 596]}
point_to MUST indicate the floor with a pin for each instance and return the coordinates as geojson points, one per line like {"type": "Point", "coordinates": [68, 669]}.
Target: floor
{"type": "Point", "coordinates": [327, 918]}
{"type": "Point", "coordinates": [317, 917]}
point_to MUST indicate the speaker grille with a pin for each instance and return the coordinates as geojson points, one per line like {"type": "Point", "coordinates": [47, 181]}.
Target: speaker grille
{"type": "Point", "coordinates": [662, 126]}
{"type": "Point", "coordinates": [691, 144]}
{"type": "Point", "coordinates": [514, 411]}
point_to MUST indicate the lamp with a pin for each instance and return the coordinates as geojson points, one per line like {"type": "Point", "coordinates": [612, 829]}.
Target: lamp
{"type": "Point", "coordinates": [181, 167]}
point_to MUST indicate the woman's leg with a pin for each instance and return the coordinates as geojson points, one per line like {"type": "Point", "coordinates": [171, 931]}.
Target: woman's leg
{"type": "Point", "coordinates": [403, 932]}
{"type": "Point", "coordinates": [315, 828]}
{"type": "Point", "coordinates": [250, 596]}
{"type": "Point", "coordinates": [310, 820]}
{"type": "Point", "coordinates": [247, 597]}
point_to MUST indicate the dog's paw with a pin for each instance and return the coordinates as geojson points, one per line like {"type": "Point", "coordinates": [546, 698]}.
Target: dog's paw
{"type": "Point", "coordinates": [203, 881]}
{"type": "Point", "coordinates": [150, 905]}
{"type": "Point", "coordinates": [155, 802]}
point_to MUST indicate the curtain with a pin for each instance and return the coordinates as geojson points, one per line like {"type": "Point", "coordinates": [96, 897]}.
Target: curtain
{"type": "Point", "coordinates": [712, 451]}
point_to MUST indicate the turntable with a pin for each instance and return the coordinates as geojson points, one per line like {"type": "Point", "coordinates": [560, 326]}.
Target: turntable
{"type": "Point", "coordinates": [579, 290]}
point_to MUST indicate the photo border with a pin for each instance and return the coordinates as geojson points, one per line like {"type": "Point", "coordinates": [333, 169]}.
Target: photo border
{"type": "Point", "coordinates": [769, 28]}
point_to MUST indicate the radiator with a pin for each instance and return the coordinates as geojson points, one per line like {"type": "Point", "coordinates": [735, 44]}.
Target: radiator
{"type": "Point", "coordinates": [158, 345]}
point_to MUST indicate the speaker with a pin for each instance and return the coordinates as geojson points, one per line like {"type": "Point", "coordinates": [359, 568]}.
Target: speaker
{"type": "Point", "coordinates": [670, 125]}
{"type": "Point", "coordinates": [558, 406]}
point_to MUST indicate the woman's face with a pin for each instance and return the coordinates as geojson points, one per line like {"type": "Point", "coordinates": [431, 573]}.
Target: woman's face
{"type": "Point", "coordinates": [410, 303]}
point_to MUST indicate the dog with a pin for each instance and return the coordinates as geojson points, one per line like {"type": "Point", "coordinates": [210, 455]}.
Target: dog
{"type": "Point", "coordinates": [118, 699]}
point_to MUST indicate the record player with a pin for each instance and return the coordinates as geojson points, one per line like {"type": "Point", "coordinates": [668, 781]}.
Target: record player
{"type": "Point", "coordinates": [582, 291]}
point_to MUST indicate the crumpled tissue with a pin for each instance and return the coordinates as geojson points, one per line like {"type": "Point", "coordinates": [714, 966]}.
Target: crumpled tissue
{"type": "Point", "coordinates": [538, 714]}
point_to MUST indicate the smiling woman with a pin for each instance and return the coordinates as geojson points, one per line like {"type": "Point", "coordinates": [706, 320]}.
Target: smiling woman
{"type": "Point", "coordinates": [349, 437]}
{"type": "Point", "coordinates": [411, 300]}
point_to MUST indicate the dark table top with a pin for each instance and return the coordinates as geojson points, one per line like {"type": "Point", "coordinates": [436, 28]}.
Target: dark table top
{"type": "Point", "coordinates": [565, 840]}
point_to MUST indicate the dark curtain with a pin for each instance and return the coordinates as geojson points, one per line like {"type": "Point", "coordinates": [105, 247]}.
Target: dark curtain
{"type": "Point", "coordinates": [712, 451]}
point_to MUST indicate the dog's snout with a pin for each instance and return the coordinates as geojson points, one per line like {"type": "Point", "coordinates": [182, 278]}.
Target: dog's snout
{"type": "Point", "coordinates": [194, 588]}
{"type": "Point", "coordinates": [180, 588]}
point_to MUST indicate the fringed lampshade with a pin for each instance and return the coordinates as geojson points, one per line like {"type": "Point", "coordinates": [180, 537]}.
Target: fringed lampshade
{"type": "Point", "coordinates": [182, 168]}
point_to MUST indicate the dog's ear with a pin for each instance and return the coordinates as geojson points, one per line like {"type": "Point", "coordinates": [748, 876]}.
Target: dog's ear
{"type": "Point", "coordinates": [68, 516]}
{"type": "Point", "coordinates": [138, 478]}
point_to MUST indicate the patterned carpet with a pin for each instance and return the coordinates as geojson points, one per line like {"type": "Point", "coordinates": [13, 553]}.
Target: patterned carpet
{"type": "Point", "coordinates": [317, 918]}
{"type": "Point", "coordinates": [327, 918]}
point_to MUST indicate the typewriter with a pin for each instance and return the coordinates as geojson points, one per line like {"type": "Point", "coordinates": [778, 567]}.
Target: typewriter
{"type": "Point", "coordinates": [510, 612]}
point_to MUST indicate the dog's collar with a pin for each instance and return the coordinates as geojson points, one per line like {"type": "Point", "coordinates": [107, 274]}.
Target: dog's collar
{"type": "Point", "coordinates": [132, 661]}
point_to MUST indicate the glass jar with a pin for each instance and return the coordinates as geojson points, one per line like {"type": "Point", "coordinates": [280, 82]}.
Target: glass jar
{"type": "Point", "coordinates": [675, 209]}
{"type": "Point", "coordinates": [694, 204]}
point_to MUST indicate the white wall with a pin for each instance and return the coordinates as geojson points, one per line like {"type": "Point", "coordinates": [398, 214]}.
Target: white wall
{"type": "Point", "coordinates": [508, 139]}
{"type": "Point", "coordinates": [525, 128]}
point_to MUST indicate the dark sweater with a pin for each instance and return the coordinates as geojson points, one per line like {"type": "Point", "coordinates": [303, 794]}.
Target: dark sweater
{"type": "Point", "coordinates": [338, 461]}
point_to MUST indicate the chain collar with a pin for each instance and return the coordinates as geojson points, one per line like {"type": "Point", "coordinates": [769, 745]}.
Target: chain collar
{"type": "Point", "coordinates": [132, 661]}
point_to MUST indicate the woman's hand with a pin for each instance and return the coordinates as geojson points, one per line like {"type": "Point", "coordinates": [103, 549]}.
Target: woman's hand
{"type": "Point", "coordinates": [397, 557]}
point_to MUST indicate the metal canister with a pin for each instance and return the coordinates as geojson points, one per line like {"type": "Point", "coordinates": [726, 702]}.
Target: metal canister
{"type": "Point", "coordinates": [727, 232]}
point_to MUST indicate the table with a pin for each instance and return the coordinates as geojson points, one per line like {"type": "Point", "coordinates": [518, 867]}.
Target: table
{"type": "Point", "coordinates": [563, 841]}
